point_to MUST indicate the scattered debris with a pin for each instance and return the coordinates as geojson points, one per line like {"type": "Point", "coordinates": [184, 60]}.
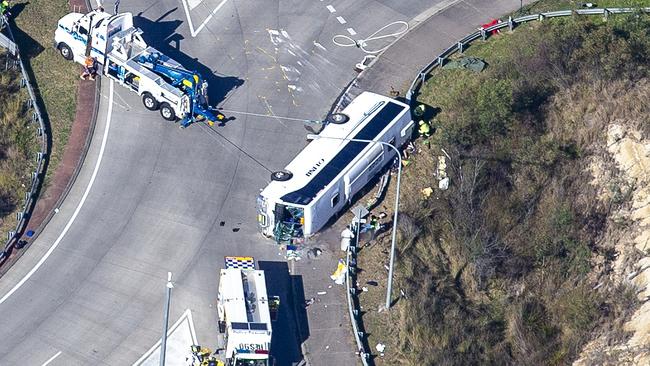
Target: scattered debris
{"type": "Point", "coordinates": [427, 192]}
{"type": "Point", "coordinates": [339, 275]}
{"type": "Point", "coordinates": [314, 253]}
{"type": "Point", "coordinates": [309, 302]}
{"type": "Point", "coordinates": [372, 283]}
{"type": "Point", "coordinates": [321, 292]}
{"type": "Point", "coordinates": [293, 253]}
{"type": "Point", "coordinates": [380, 347]}
{"type": "Point", "coordinates": [444, 184]}
{"type": "Point", "coordinates": [235, 229]}
{"type": "Point", "coordinates": [364, 289]}
{"type": "Point", "coordinates": [222, 223]}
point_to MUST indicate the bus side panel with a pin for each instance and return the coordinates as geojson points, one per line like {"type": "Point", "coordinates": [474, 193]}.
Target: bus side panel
{"type": "Point", "coordinates": [323, 209]}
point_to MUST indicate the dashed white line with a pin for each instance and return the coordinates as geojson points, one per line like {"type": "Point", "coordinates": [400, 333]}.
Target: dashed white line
{"type": "Point", "coordinates": [351, 31]}
{"type": "Point", "coordinates": [52, 358]}
{"type": "Point", "coordinates": [79, 206]}
{"type": "Point", "coordinates": [341, 20]}
{"type": "Point", "coordinates": [331, 9]}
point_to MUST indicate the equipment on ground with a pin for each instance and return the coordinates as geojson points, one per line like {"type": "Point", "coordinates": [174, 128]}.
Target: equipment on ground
{"type": "Point", "coordinates": [245, 314]}
{"type": "Point", "coordinates": [125, 57]}
{"type": "Point", "coordinates": [326, 175]}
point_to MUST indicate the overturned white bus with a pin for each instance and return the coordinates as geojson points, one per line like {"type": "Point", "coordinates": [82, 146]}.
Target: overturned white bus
{"type": "Point", "coordinates": [324, 177]}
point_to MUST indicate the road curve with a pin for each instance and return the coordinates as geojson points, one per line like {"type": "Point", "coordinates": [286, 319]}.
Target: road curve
{"type": "Point", "coordinates": [163, 199]}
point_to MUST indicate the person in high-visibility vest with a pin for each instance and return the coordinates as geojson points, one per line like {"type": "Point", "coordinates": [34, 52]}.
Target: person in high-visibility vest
{"type": "Point", "coordinates": [4, 8]}
{"type": "Point", "coordinates": [425, 129]}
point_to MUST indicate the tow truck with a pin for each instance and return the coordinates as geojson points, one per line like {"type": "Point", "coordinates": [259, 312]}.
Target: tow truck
{"type": "Point", "coordinates": [245, 314]}
{"type": "Point", "coordinates": [124, 56]}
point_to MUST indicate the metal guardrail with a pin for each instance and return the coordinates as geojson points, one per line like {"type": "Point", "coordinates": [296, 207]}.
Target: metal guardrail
{"type": "Point", "coordinates": [510, 24]}
{"type": "Point", "coordinates": [13, 237]}
{"type": "Point", "coordinates": [353, 299]}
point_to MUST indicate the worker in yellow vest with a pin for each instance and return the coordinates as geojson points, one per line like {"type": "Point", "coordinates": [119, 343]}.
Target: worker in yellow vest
{"type": "Point", "coordinates": [425, 129]}
{"type": "Point", "coordinates": [4, 8]}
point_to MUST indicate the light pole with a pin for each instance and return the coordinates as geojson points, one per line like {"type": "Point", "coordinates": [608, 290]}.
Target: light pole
{"type": "Point", "coordinates": [389, 287]}
{"type": "Point", "coordinates": [163, 344]}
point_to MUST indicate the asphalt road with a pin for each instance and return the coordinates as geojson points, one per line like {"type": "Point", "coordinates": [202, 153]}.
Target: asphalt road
{"type": "Point", "coordinates": [152, 198]}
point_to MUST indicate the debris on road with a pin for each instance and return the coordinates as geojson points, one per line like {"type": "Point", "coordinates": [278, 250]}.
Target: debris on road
{"type": "Point", "coordinates": [339, 275]}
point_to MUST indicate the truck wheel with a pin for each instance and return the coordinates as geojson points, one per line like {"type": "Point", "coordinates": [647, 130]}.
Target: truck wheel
{"type": "Point", "coordinates": [281, 175]}
{"type": "Point", "coordinates": [66, 52]}
{"type": "Point", "coordinates": [167, 112]}
{"type": "Point", "coordinates": [338, 118]}
{"type": "Point", "coordinates": [149, 101]}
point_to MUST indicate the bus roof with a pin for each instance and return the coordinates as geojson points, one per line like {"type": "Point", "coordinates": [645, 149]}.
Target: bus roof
{"type": "Point", "coordinates": [323, 160]}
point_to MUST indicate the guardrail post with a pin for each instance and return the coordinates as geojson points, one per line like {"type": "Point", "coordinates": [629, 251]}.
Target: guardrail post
{"type": "Point", "coordinates": [19, 216]}
{"type": "Point", "coordinates": [10, 235]}
{"type": "Point", "coordinates": [605, 14]}
{"type": "Point", "coordinates": [460, 47]}
{"type": "Point", "coordinates": [441, 61]}
{"type": "Point", "coordinates": [483, 34]}
{"type": "Point", "coordinates": [540, 17]}
{"type": "Point", "coordinates": [511, 24]}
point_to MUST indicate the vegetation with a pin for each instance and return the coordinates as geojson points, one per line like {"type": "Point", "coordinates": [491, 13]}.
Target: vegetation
{"type": "Point", "coordinates": [18, 144]}
{"type": "Point", "coordinates": [55, 83]}
{"type": "Point", "coordinates": [503, 267]}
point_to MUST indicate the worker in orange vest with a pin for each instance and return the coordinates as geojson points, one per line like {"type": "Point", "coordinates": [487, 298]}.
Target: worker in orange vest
{"type": "Point", "coordinates": [90, 69]}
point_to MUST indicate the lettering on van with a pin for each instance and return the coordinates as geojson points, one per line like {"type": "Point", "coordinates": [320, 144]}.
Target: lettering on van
{"type": "Point", "coordinates": [251, 347]}
{"type": "Point", "coordinates": [313, 169]}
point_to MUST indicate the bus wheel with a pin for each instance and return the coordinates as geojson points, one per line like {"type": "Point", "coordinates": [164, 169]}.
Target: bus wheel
{"type": "Point", "coordinates": [149, 101]}
{"type": "Point", "coordinates": [65, 51]}
{"type": "Point", "coordinates": [281, 175]}
{"type": "Point", "coordinates": [167, 112]}
{"type": "Point", "coordinates": [338, 118]}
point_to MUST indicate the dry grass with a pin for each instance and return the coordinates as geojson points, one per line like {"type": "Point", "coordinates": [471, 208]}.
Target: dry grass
{"type": "Point", "coordinates": [56, 78]}
{"type": "Point", "coordinates": [18, 145]}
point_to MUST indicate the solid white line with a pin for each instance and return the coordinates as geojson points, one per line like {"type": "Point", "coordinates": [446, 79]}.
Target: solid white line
{"type": "Point", "coordinates": [341, 20]}
{"type": "Point", "coordinates": [76, 211]}
{"type": "Point", "coordinates": [187, 314]}
{"type": "Point", "coordinates": [208, 18]}
{"type": "Point", "coordinates": [189, 18]}
{"type": "Point", "coordinates": [331, 9]}
{"type": "Point", "coordinates": [52, 358]}
{"type": "Point", "coordinates": [351, 31]}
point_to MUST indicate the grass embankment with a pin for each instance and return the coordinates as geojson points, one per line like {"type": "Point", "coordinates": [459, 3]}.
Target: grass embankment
{"type": "Point", "coordinates": [503, 267]}
{"type": "Point", "coordinates": [18, 145]}
{"type": "Point", "coordinates": [55, 82]}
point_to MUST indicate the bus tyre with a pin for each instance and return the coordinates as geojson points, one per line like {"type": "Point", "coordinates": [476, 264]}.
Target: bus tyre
{"type": "Point", "coordinates": [281, 175]}
{"type": "Point", "coordinates": [65, 51]}
{"type": "Point", "coordinates": [149, 101]}
{"type": "Point", "coordinates": [337, 118]}
{"type": "Point", "coordinates": [167, 112]}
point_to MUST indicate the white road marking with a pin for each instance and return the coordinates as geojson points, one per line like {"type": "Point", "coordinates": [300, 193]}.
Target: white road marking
{"type": "Point", "coordinates": [194, 32]}
{"type": "Point", "coordinates": [194, 3]}
{"type": "Point", "coordinates": [185, 317]}
{"type": "Point", "coordinates": [351, 31]}
{"type": "Point", "coordinates": [52, 358]}
{"type": "Point", "coordinates": [331, 9]}
{"type": "Point", "coordinates": [79, 206]}
{"type": "Point", "coordinates": [341, 20]}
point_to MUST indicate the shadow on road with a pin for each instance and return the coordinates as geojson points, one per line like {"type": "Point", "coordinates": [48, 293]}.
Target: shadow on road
{"type": "Point", "coordinates": [161, 34]}
{"type": "Point", "coordinates": [291, 328]}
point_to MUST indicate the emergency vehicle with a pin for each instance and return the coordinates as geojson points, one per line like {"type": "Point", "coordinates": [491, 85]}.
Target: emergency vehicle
{"type": "Point", "coordinates": [245, 314]}
{"type": "Point", "coordinates": [124, 56]}
{"type": "Point", "coordinates": [325, 176]}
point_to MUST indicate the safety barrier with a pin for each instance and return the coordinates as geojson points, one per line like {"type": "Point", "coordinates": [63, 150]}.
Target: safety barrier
{"type": "Point", "coordinates": [511, 23]}
{"type": "Point", "coordinates": [483, 34]}
{"type": "Point", "coordinates": [353, 299]}
{"type": "Point", "coordinates": [13, 237]}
